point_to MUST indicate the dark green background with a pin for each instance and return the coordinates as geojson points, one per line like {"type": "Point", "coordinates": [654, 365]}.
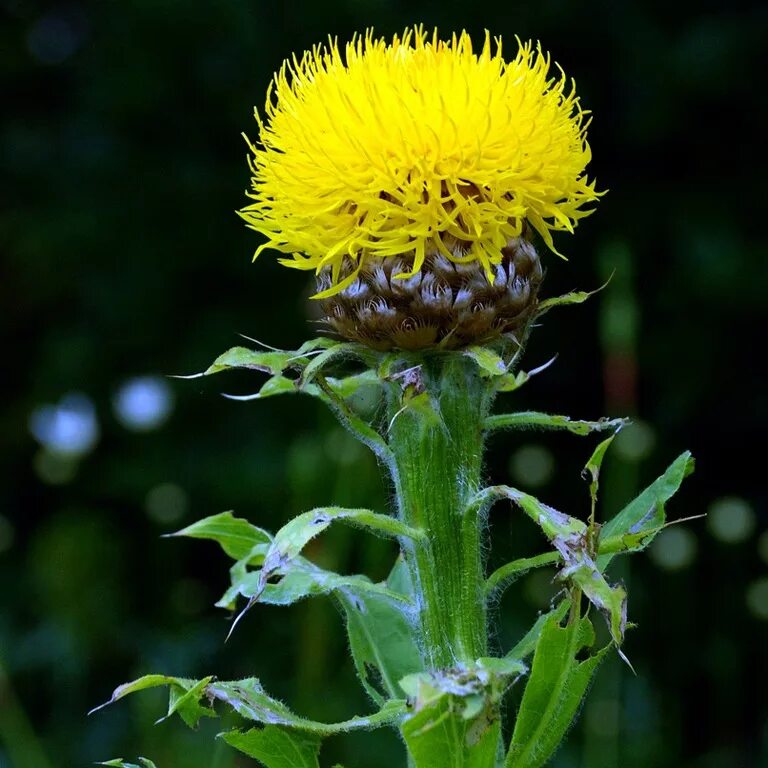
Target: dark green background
{"type": "Point", "coordinates": [122, 166]}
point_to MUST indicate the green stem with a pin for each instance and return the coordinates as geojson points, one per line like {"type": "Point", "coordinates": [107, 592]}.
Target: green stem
{"type": "Point", "coordinates": [436, 438]}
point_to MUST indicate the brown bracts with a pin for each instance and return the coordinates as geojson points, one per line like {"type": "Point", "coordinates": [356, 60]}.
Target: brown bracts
{"type": "Point", "coordinates": [446, 304]}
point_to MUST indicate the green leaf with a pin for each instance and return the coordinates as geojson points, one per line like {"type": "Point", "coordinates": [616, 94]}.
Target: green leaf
{"type": "Point", "coordinates": [508, 574]}
{"type": "Point", "coordinates": [554, 524]}
{"type": "Point", "coordinates": [294, 535]}
{"type": "Point", "coordinates": [502, 670]}
{"type": "Point", "coordinates": [237, 537]}
{"type": "Point", "coordinates": [570, 537]}
{"type": "Point", "coordinates": [440, 736]}
{"type": "Point", "coordinates": [177, 685]}
{"type": "Point", "coordinates": [349, 386]}
{"type": "Point", "coordinates": [300, 580]}
{"type": "Point", "coordinates": [509, 382]}
{"type": "Point", "coordinates": [399, 579]}
{"type": "Point", "coordinates": [249, 700]}
{"type": "Point", "coordinates": [423, 407]}
{"type": "Point", "coordinates": [637, 524]}
{"type": "Point", "coordinates": [593, 466]}
{"type": "Point", "coordinates": [271, 361]}
{"type": "Point", "coordinates": [455, 720]}
{"type": "Point", "coordinates": [383, 643]}
{"type": "Point", "coordinates": [359, 428]}
{"type": "Point", "coordinates": [320, 342]}
{"type": "Point", "coordinates": [187, 704]}
{"type": "Point", "coordinates": [553, 693]}
{"type": "Point", "coordinates": [610, 600]}
{"type": "Point", "coordinates": [276, 385]}
{"type": "Point", "coordinates": [530, 640]}
{"type": "Point", "coordinates": [340, 350]}
{"type": "Point", "coordinates": [489, 362]}
{"type": "Point", "coordinates": [276, 747]}
{"type": "Point", "coordinates": [537, 420]}
{"type": "Point", "coordinates": [120, 763]}
{"type": "Point", "coordinates": [574, 297]}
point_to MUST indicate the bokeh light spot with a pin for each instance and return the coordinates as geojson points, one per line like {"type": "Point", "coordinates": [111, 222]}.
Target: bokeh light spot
{"type": "Point", "coordinates": [143, 403]}
{"type": "Point", "coordinates": [69, 428]}
{"type": "Point", "coordinates": [757, 598]}
{"type": "Point", "coordinates": [731, 519]}
{"type": "Point", "coordinates": [54, 37]}
{"type": "Point", "coordinates": [674, 548]}
{"type": "Point", "coordinates": [55, 468]}
{"type": "Point", "coordinates": [635, 442]}
{"type": "Point", "coordinates": [532, 466]}
{"type": "Point", "coordinates": [166, 503]}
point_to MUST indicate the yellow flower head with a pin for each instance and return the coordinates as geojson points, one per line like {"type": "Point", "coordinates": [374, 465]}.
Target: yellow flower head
{"type": "Point", "coordinates": [414, 147]}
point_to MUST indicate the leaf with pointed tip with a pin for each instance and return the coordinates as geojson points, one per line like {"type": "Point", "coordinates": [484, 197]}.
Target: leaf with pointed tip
{"type": "Point", "coordinates": [318, 343]}
{"type": "Point", "coordinates": [382, 637]}
{"type": "Point", "coordinates": [508, 574]}
{"type": "Point", "coordinates": [502, 670]}
{"type": "Point", "coordinates": [120, 763]}
{"type": "Point", "coordinates": [349, 386]}
{"type": "Point", "coordinates": [276, 385]}
{"type": "Point", "coordinates": [302, 579]}
{"type": "Point", "coordinates": [509, 382]}
{"type": "Point", "coordinates": [358, 426]}
{"type": "Point", "coordinates": [440, 736]}
{"type": "Point", "coordinates": [340, 350]}
{"type": "Point", "coordinates": [569, 536]}
{"type": "Point", "coordinates": [554, 524]}
{"type": "Point", "coordinates": [538, 420]}
{"type": "Point", "coordinates": [236, 536]}
{"type": "Point", "coordinates": [276, 747]}
{"type": "Point", "coordinates": [610, 600]}
{"type": "Point", "coordinates": [489, 363]}
{"type": "Point", "coordinates": [527, 645]}
{"type": "Point", "coordinates": [249, 700]}
{"type": "Point", "coordinates": [294, 535]}
{"type": "Point", "coordinates": [422, 406]}
{"type": "Point", "coordinates": [272, 361]}
{"type": "Point", "coordinates": [593, 466]}
{"type": "Point", "coordinates": [553, 693]}
{"type": "Point", "coordinates": [574, 297]}
{"type": "Point", "coordinates": [178, 686]}
{"type": "Point", "coordinates": [188, 704]}
{"type": "Point", "coordinates": [637, 524]}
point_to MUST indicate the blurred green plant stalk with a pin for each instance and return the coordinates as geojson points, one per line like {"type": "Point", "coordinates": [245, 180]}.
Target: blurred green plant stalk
{"type": "Point", "coordinates": [16, 732]}
{"type": "Point", "coordinates": [420, 639]}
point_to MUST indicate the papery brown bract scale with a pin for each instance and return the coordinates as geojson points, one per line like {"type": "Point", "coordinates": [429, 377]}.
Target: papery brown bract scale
{"type": "Point", "coordinates": [446, 304]}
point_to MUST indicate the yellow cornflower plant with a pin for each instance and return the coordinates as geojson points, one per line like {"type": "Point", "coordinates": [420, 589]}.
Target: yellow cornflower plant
{"type": "Point", "coordinates": [414, 147]}
{"type": "Point", "coordinates": [408, 175]}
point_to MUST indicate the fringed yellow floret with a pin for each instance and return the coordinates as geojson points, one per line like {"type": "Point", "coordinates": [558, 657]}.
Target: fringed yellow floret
{"type": "Point", "coordinates": [414, 147]}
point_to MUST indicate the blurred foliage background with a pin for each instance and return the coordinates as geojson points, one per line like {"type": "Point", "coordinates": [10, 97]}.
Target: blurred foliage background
{"type": "Point", "coordinates": [122, 261]}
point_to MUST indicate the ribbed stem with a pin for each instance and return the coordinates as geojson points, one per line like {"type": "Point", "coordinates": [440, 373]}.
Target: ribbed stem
{"type": "Point", "coordinates": [437, 443]}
